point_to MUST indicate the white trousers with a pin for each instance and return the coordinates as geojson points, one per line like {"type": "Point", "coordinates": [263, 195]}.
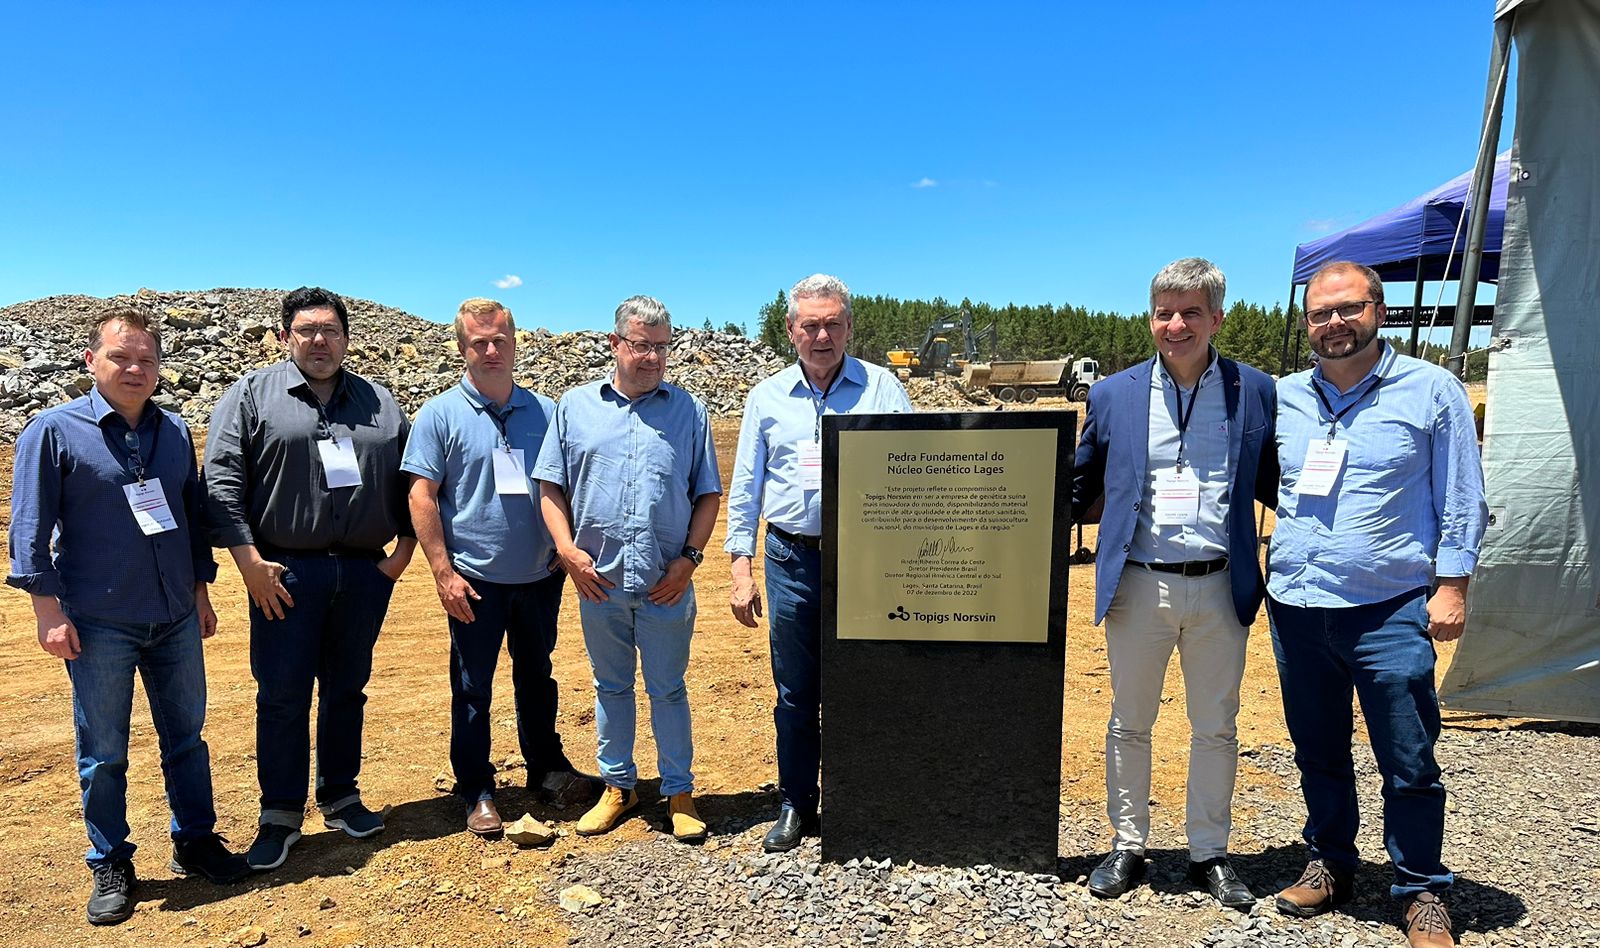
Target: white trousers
{"type": "Point", "coordinates": [1151, 614]}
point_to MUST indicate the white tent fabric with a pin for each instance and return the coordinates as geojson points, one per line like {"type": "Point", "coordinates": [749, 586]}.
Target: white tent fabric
{"type": "Point", "coordinates": [1532, 646]}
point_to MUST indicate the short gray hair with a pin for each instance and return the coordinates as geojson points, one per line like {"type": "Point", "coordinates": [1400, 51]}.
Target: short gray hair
{"type": "Point", "coordinates": [1187, 275]}
{"type": "Point", "coordinates": [818, 286]}
{"type": "Point", "coordinates": [646, 309]}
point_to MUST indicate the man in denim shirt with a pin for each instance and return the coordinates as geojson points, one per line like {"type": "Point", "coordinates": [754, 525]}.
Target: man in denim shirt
{"type": "Point", "coordinates": [630, 492]}
{"type": "Point", "coordinates": [1380, 514]}
{"type": "Point", "coordinates": [123, 589]}
{"type": "Point", "coordinates": [777, 476]}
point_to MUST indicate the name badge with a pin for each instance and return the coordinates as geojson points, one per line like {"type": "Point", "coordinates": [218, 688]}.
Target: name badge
{"type": "Point", "coordinates": [1324, 461]}
{"type": "Point", "coordinates": [1177, 500]}
{"type": "Point", "coordinates": [149, 505]}
{"type": "Point", "coordinates": [339, 463]}
{"type": "Point", "coordinates": [510, 477]}
{"type": "Point", "coordinates": [810, 465]}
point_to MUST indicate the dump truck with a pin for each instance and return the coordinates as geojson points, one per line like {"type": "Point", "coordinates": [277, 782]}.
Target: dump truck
{"type": "Point", "coordinates": [1025, 380]}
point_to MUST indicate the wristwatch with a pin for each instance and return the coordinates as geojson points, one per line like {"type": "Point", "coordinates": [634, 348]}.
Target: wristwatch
{"type": "Point", "coordinates": [693, 555]}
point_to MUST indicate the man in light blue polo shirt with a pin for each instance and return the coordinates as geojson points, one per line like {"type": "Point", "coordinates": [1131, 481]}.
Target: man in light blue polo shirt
{"type": "Point", "coordinates": [477, 520]}
{"type": "Point", "coordinates": [777, 475]}
{"type": "Point", "coordinates": [1380, 514]}
{"type": "Point", "coordinates": [630, 488]}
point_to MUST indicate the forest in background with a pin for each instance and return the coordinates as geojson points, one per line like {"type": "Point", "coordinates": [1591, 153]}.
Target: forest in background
{"type": "Point", "coordinates": [1251, 333]}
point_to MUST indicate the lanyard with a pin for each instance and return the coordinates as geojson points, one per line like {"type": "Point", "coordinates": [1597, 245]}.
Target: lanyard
{"type": "Point", "coordinates": [1339, 415]}
{"type": "Point", "coordinates": [130, 440]}
{"type": "Point", "coordinates": [1184, 416]}
{"type": "Point", "coordinates": [324, 427]}
{"type": "Point", "coordinates": [501, 422]}
{"type": "Point", "coordinates": [820, 401]}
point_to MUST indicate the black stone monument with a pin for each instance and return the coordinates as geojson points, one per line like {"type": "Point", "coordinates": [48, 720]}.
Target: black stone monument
{"type": "Point", "coordinates": [944, 752]}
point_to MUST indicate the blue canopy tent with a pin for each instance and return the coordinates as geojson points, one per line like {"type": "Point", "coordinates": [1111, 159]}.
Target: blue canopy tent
{"type": "Point", "coordinates": [1418, 241]}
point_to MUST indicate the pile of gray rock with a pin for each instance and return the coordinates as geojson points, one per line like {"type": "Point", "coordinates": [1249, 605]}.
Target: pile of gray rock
{"type": "Point", "coordinates": [212, 337]}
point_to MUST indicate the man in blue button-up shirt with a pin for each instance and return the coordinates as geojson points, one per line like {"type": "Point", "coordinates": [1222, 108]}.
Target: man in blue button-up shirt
{"type": "Point", "coordinates": [106, 537]}
{"type": "Point", "coordinates": [630, 492]}
{"type": "Point", "coordinates": [1179, 447]}
{"type": "Point", "coordinates": [477, 519]}
{"type": "Point", "coordinates": [1380, 513]}
{"type": "Point", "coordinates": [777, 477]}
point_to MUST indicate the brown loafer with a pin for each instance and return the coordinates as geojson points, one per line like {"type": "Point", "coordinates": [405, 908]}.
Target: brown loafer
{"type": "Point", "coordinates": [484, 819]}
{"type": "Point", "coordinates": [1318, 890]}
{"type": "Point", "coordinates": [1427, 923]}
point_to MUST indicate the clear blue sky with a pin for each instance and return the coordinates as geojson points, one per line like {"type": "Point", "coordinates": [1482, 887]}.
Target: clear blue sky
{"type": "Point", "coordinates": [710, 154]}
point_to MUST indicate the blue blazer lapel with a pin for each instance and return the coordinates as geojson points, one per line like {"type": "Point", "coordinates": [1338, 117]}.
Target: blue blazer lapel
{"type": "Point", "coordinates": [1140, 402]}
{"type": "Point", "coordinates": [1237, 421]}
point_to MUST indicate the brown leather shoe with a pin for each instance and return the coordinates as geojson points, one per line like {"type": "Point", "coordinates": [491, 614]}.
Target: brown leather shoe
{"type": "Point", "coordinates": [484, 819]}
{"type": "Point", "coordinates": [1427, 923]}
{"type": "Point", "coordinates": [1318, 890]}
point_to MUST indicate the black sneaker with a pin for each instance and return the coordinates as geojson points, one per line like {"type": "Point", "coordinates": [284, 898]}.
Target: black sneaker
{"type": "Point", "coordinates": [563, 788]}
{"type": "Point", "coordinates": [111, 902]}
{"type": "Point", "coordinates": [355, 819]}
{"type": "Point", "coordinates": [271, 847]}
{"type": "Point", "coordinates": [206, 856]}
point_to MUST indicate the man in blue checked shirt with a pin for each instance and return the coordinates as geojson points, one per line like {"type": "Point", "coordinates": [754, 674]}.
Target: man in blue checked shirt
{"type": "Point", "coordinates": [1380, 513]}
{"type": "Point", "coordinates": [629, 490]}
{"type": "Point", "coordinates": [777, 475]}
{"type": "Point", "coordinates": [106, 537]}
{"type": "Point", "coordinates": [476, 514]}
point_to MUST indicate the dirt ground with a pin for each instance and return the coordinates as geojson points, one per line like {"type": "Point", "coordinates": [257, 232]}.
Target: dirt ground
{"type": "Point", "coordinates": [424, 881]}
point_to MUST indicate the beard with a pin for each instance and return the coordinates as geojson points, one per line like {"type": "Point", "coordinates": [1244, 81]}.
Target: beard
{"type": "Point", "coordinates": [1358, 339]}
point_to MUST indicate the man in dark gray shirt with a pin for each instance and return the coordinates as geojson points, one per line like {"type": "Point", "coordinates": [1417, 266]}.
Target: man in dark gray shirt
{"type": "Point", "coordinates": [304, 488]}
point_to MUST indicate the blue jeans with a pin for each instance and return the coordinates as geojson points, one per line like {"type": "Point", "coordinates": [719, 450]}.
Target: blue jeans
{"type": "Point", "coordinates": [612, 632]}
{"type": "Point", "coordinates": [1383, 653]}
{"type": "Point", "coordinates": [326, 638]}
{"type": "Point", "coordinates": [794, 625]}
{"type": "Point", "coordinates": [524, 615]}
{"type": "Point", "coordinates": [169, 658]}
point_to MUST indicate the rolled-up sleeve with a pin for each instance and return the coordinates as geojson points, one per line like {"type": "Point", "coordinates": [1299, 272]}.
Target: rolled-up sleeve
{"type": "Point", "coordinates": [35, 508]}
{"type": "Point", "coordinates": [1458, 499]}
{"type": "Point", "coordinates": [227, 474]}
{"type": "Point", "coordinates": [749, 476]}
{"type": "Point", "coordinates": [401, 499]}
{"type": "Point", "coordinates": [704, 477]}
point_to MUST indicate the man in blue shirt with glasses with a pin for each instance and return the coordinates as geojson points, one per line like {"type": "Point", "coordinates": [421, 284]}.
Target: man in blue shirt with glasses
{"type": "Point", "coordinates": [629, 490]}
{"type": "Point", "coordinates": [777, 475]}
{"type": "Point", "coordinates": [1380, 514]}
{"type": "Point", "coordinates": [106, 536]}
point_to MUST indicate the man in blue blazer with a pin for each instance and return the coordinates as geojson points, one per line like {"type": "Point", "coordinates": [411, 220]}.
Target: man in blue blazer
{"type": "Point", "coordinates": [1177, 448]}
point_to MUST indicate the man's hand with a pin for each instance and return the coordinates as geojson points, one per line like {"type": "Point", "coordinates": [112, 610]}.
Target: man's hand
{"type": "Point", "coordinates": [580, 566]}
{"type": "Point", "coordinates": [264, 580]}
{"type": "Point", "coordinates": [1447, 609]}
{"type": "Point", "coordinates": [456, 595]}
{"type": "Point", "coordinates": [745, 599]}
{"type": "Point", "coordinates": [57, 634]}
{"type": "Point", "coordinates": [673, 584]}
{"type": "Point", "coordinates": [392, 566]}
{"type": "Point", "coordinates": [208, 615]}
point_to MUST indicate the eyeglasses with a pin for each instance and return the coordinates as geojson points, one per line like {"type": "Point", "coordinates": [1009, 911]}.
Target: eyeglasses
{"type": "Point", "coordinates": [641, 347]}
{"type": "Point", "coordinates": [308, 333]}
{"type": "Point", "coordinates": [1345, 311]}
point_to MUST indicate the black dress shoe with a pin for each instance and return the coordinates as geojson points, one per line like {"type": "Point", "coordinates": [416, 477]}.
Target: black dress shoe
{"type": "Point", "coordinates": [1116, 874]}
{"type": "Point", "coordinates": [1223, 883]}
{"type": "Point", "coordinates": [786, 832]}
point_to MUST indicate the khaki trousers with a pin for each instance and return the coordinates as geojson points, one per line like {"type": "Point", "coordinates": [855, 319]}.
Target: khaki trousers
{"type": "Point", "coordinates": [1150, 615]}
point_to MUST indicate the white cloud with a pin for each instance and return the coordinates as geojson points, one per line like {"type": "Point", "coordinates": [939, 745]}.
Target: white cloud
{"type": "Point", "coordinates": [1323, 225]}
{"type": "Point", "coordinates": [925, 183]}
{"type": "Point", "coordinates": [509, 281]}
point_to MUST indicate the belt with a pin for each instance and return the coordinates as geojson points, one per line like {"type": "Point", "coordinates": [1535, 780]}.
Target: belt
{"type": "Point", "coordinates": [800, 539]}
{"type": "Point", "coordinates": [1186, 568]}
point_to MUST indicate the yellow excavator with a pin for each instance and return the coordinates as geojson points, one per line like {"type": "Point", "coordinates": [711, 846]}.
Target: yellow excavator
{"type": "Point", "coordinates": [938, 354]}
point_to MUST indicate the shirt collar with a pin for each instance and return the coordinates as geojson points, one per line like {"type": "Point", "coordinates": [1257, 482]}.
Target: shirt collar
{"type": "Point", "coordinates": [101, 409]}
{"type": "Point", "coordinates": [297, 379]}
{"type": "Point", "coordinates": [608, 384]}
{"type": "Point", "coordinates": [519, 395]}
{"type": "Point", "coordinates": [851, 370]}
{"type": "Point", "coordinates": [1207, 377]}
